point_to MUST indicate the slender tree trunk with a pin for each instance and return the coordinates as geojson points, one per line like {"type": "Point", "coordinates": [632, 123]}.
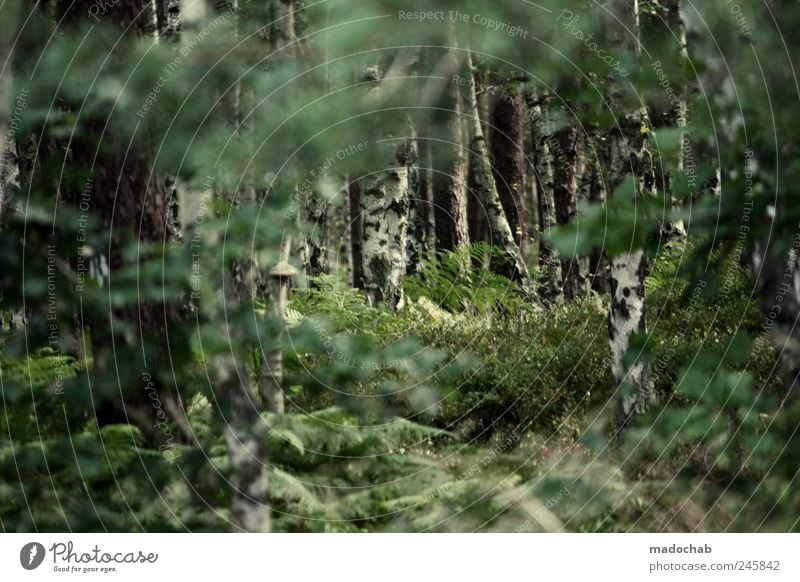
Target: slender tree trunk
{"type": "Point", "coordinates": [450, 163]}
{"type": "Point", "coordinates": [169, 19]}
{"type": "Point", "coordinates": [500, 233]}
{"type": "Point", "coordinates": [628, 152]}
{"type": "Point", "coordinates": [282, 30]}
{"type": "Point", "coordinates": [478, 227]}
{"type": "Point", "coordinates": [338, 232]}
{"type": "Point", "coordinates": [315, 244]}
{"type": "Point", "coordinates": [662, 24]}
{"type": "Point", "coordinates": [421, 227]}
{"type": "Point", "coordinates": [531, 224]}
{"type": "Point", "coordinates": [386, 193]}
{"type": "Point", "coordinates": [356, 233]}
{"type": "Point", "coordinates": [566, 146]}
{"type": "Point", "coordinates": [549, 261]}
{"type": "Point", "coordinates": [627, 317]}
{"type": "Point", "coordinates": [9, 167]}
{"type": "Point", "coordinates": [596, 194]}
{"type": "Point", "coordinates": [507, 150]}
{"type": "Point", "coordinates": [385, 204]}
{"type": "Point", "coordinates": [233, 378]}
{"type": "Point", "coordinates": [245, 443]}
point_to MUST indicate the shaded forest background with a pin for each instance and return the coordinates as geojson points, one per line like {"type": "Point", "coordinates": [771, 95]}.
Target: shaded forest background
{"type": "Point", "coordinates": [331, 266]}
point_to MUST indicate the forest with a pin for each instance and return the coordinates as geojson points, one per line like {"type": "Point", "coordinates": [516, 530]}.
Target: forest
{"type": "Point", "coordinates": [395, 266]}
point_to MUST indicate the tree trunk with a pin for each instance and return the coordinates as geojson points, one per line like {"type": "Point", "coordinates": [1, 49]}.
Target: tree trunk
{"type": "Point", "coordinates": [500, 233]}
{"type": "Point", "coordinates": [450, 164]}
{"type": "Point", "coordinates": [9, 169]}
{"type": "Point", "coordinates": [10, 112]}
{"type": "Point", "coordinates": [627, 152]}
{"type": "Point", "coordinates": [282, 31]}
{"type": "Point", "coordinates": [627, 317]}
{"type": "Point", "coordinates": [245, 443]}
{"type": "Point", "coordinates": [507, 149]}
{"type": "Point", "coordinates": [567, 161]}
{"type": "Point", "coordinates": [315, 245]}
{"type": "Point", "coordinates": [356, 234]}
{"type": "Point", "coordinates": [386, 193]}
{"type": "Point", "coordinates": [385, 204]}
{"type": "Point", "coordinates": [169, 19]}
{"type": "Point", "coordinates": [662, 24]}
{"type": "Point", "coordinates": [549, 262]}
{"type": "Point", "coordinates": [421, 227]}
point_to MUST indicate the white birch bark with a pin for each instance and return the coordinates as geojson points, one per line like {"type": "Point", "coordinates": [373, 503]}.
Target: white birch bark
{"type": "Point", "coordinates": [629, 154]}
{"type": "Point", "coordinates": [385, 203]}
{"type": "Point", "coordinates": [386, 197]}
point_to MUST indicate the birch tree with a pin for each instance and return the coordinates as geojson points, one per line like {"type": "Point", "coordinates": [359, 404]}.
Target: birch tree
{"type": "Point", "coordinates": [386, 194]}
{"type": "Point", "coordinates": [627, 153]}
{"type": "Point", "coordinates": [500, 233]}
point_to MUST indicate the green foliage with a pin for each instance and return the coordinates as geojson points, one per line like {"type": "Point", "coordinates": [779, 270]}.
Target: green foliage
{"type": "Point", "coordinates": [711, 312]}
{"type": "Point", "coordinates": [465, 281]}
{"type": "Point", "coordinates": [461, 411]}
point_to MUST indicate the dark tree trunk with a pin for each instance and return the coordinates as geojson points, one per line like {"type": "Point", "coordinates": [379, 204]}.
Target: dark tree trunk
{"type": "Point", "coordinates": [549, 262]}
{"type": "Point", "coordinates": [506, 142]}
{"type": "Point", "coordinates": [356, 233]}
{"type": "Point", "coordinates": [567, 160]}
{"type": "Point", "coordinates": [499, 231]}
{"type": "Point", "coordinates": [450, 163]}
{"type": "Point", "coordinates": [420, 227]}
